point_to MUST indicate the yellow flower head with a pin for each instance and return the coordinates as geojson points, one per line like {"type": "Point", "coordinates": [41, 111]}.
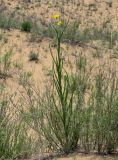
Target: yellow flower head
{"type": "Point", "coordinates": [56, 16]}
{"type": "Point", "coordinates": [59, 23]}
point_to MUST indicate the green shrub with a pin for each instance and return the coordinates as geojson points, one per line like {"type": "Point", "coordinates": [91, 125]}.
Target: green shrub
{"type": "Point", "coordinates": [105, 119]}
{"type": "Point", "coordinates": [26, 26]}
{"type": "Point", "coordinates": [99, 118]}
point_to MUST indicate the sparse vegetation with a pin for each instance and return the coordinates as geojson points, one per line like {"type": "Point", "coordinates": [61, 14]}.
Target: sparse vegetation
{"type": "Point", "coordinates": [14, 139]}
{"type": "Point", "coordinates": [7, 68]}
{"type": "Point", "coordinates": [8, 22]}
{"type": "Point", "coordinates": [69, 101]}
{"type": "Point", "coordinates": [24, 78]}
{"type": "Point", "coordinates": [33, 56]}
{"type": "Point", "coordinates": [63, 116]}
{"type": "Point", "coordinates": [5, 65]}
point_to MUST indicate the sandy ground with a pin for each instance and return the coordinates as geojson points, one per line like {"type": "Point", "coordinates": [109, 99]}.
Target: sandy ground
{"type": "Point", "coordinates": [91, 13]}
{"type": "Point", "coordinates": [88, 157]}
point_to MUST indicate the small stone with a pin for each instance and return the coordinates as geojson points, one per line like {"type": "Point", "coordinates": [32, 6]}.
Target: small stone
{"type": "Point", "coordinates": [89, 2]}
{"type": "Point", "coordinates": [109, 3]}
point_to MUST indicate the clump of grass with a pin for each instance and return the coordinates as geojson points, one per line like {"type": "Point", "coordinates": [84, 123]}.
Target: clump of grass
{"type": "Point", "coordinates": [24, 78]}
{"type": "Point", "coordinates": [105, 119]}
{"type": "Point", "coordinates": [5, 65]}
{"type": "Point", "coordinates": [18, 64]}
{"type": "Point", "coordinates": [26, 26]}
{"type": "Point", "coordinates": [1, 35]}
{"type": "Point", "coordinates": [33, 56]}
{"type": "Point", "coordinates": [8, 68]}
{"type": "Point", "coordinates": [14, 140]}
{"type": "Point", "coordinates": [72, 32]}
{"type": "Point", "coordinates": [8, 22]}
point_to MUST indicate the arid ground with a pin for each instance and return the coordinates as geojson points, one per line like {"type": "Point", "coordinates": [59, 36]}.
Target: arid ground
{"type": "Point", "coordinates": [98, 15]}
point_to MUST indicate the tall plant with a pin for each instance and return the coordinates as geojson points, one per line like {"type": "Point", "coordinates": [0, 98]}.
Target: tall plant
{"type": "Point", "coordinates": [54, 115]}
{"type": "Point", "coordinates": [63, 103]}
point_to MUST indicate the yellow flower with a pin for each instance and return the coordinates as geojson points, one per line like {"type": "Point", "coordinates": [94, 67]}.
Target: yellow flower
{"type": "Point", "coordinates": [59, 23]}
{"type": "Point", "coordinates": [56, 16]}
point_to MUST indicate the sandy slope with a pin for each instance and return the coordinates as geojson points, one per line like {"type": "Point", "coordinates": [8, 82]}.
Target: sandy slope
{"type": "Point", "coordinates": [90, 12]}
